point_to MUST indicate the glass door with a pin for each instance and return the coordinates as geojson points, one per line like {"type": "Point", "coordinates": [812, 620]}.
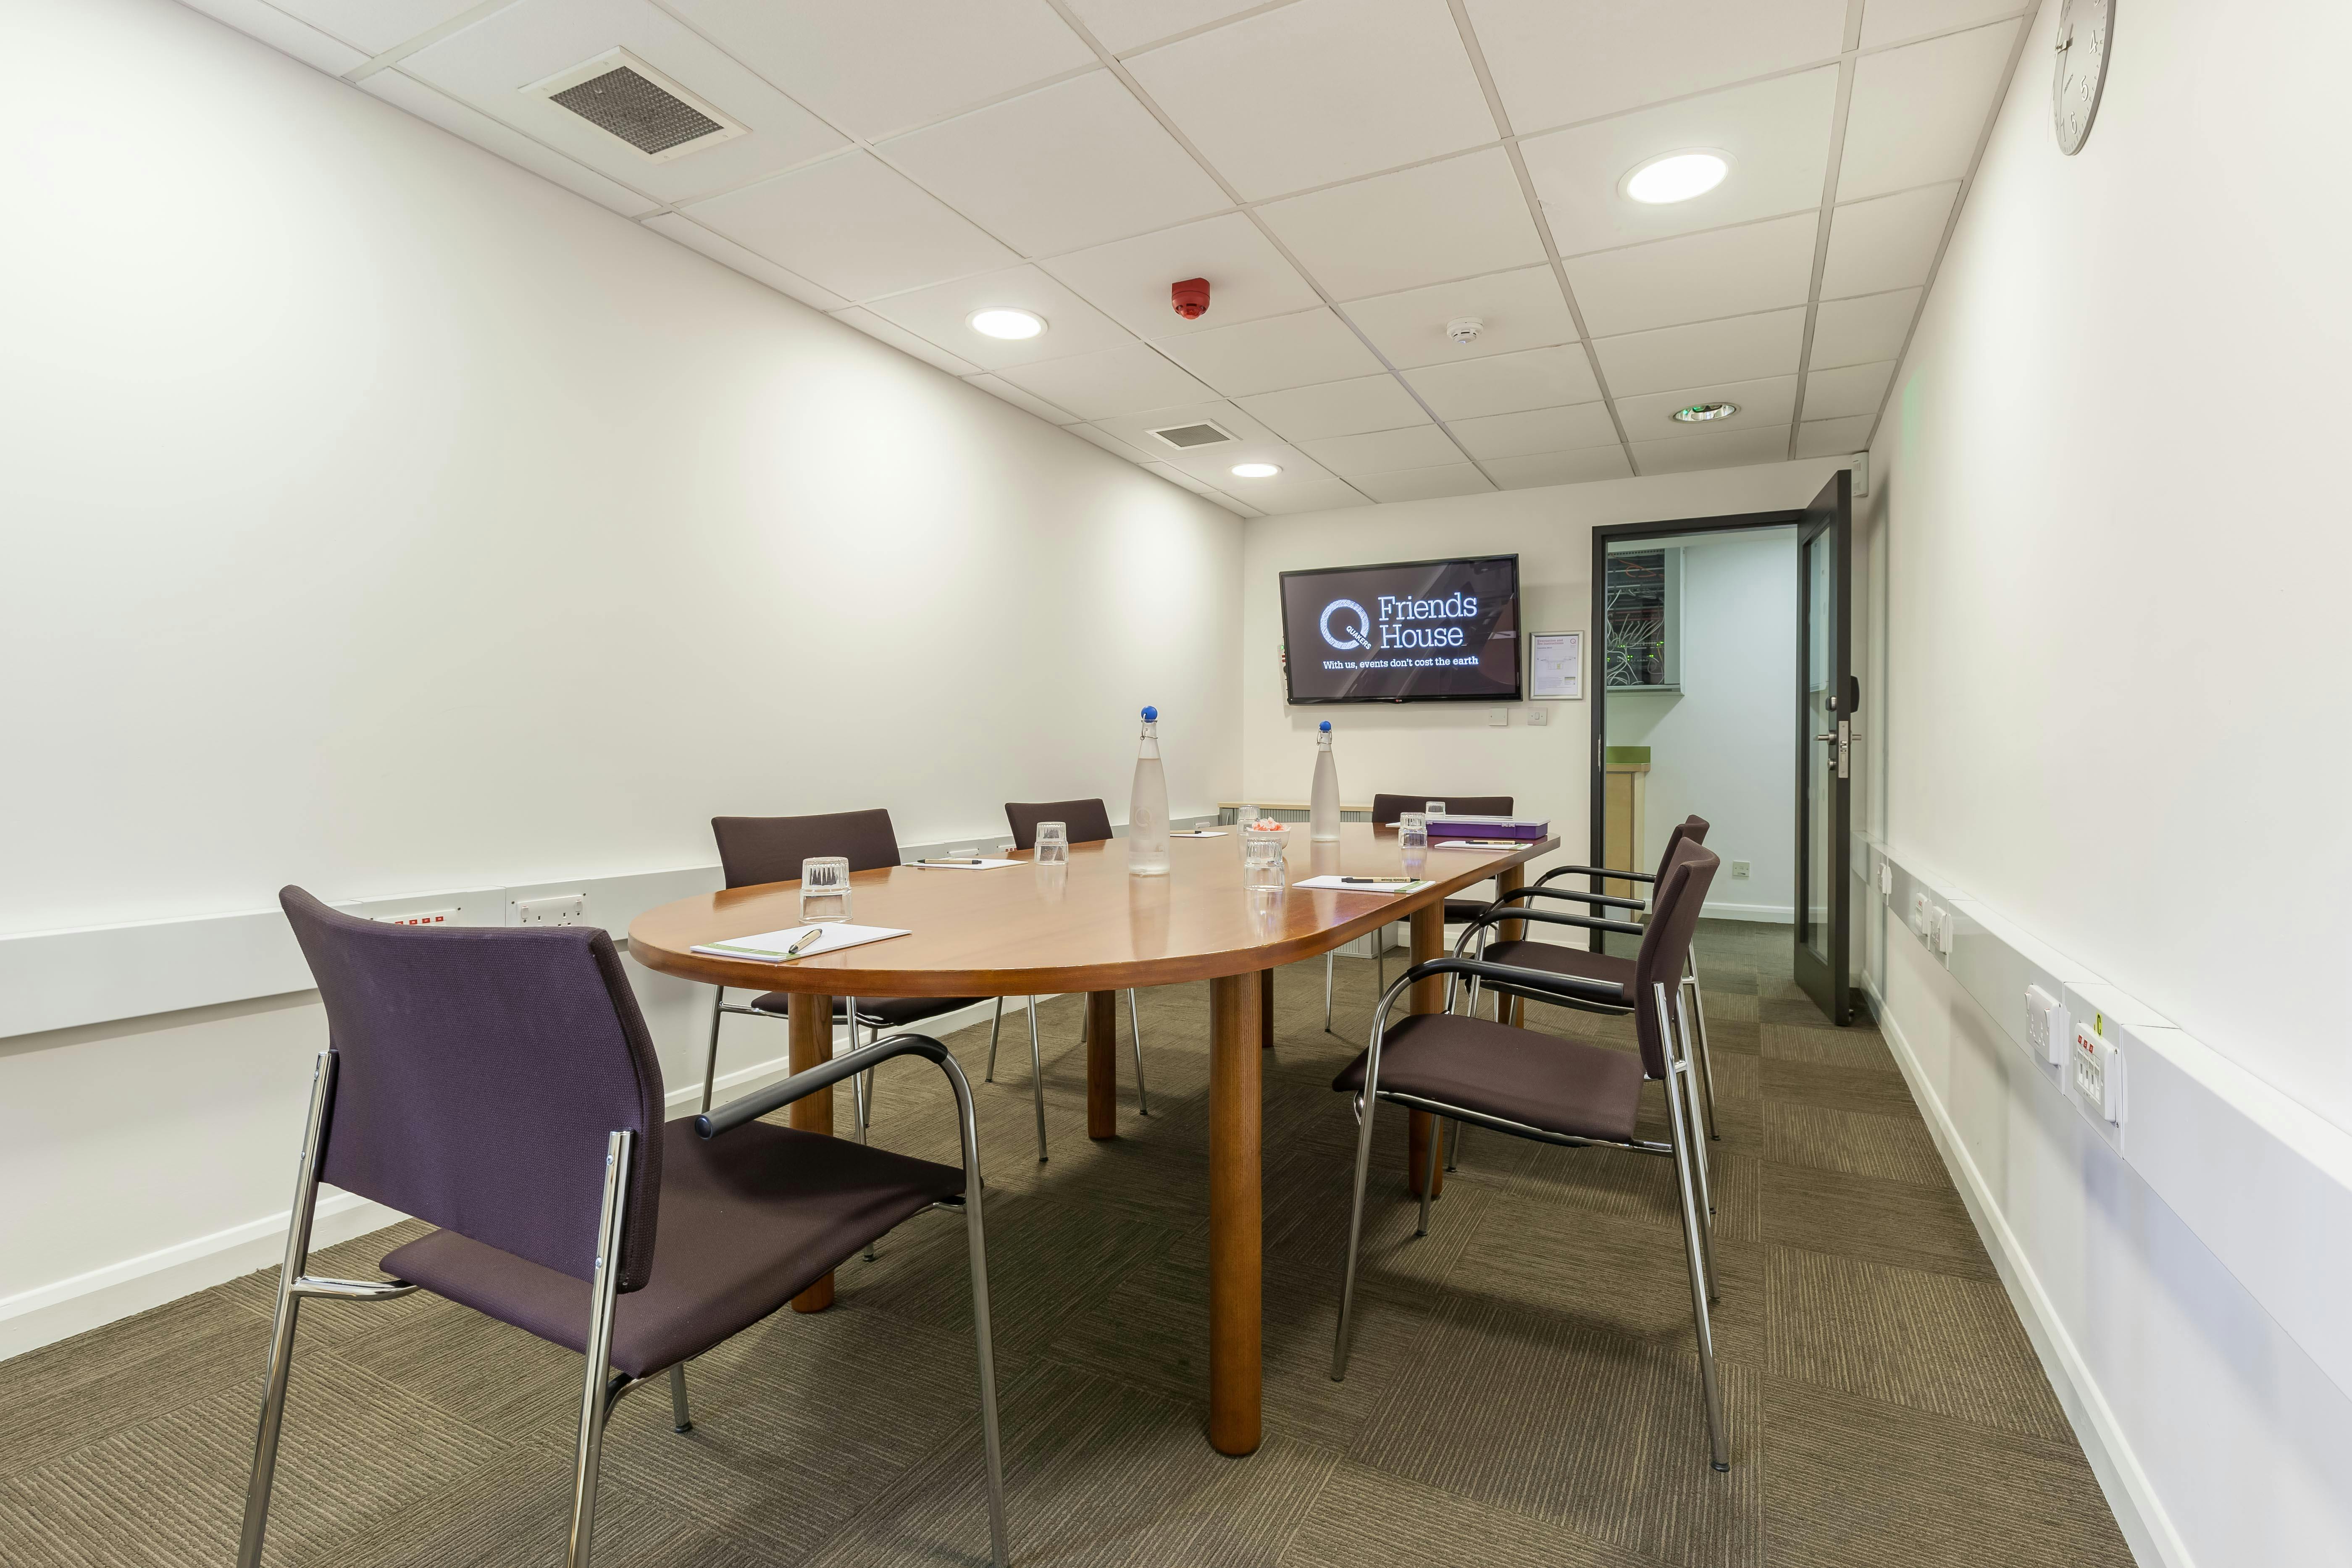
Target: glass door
{"type": "Point", "coordinates": [1827, 697]}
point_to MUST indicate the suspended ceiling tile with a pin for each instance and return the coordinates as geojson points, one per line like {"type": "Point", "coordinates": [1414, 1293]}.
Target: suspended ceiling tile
{"type": "Point", "coordinates": [1507, 383]}
{"type": "Point", "coordinates": [1128, 279]}
{"type": "Point", "coordinates": [1733, 449]}
{"type": "Point", "coordinates": [1520, 310]}
{"type": "Point", "coordinates": [877, 67]}
{"type": "Point", "coordinates": [1304, 350]}
{"type": "Point", "coordinates": [1460, 218]}
{"type": "Point", "coordinates": [854, 226]}
{"type": "Point", "coordinates": [1918, 111]}
{"type": "Point", "coordinates": [1123, 25]}
{"type": "Point", "coordinates": [1321, 90]}
{"type": "Point", "coordinates": [1886, 243]}
{"type": "Point", "coordinates": [1338, 408]}
{"type": "Point", "coordinates": [942, 313]}
{"type": "Point", "coordinates": [1697, 276]}
{"type": "Point", "coordinates": [1066, 166]}
{"type": "Point", "coordinates": [1738, 348]}
{"type": "Point", "coordinates": [729, 254]}
{"type": "Point", "coordinates": [1578, 467]}
{"type": "Point", "coordinates": [1557, 62]}
{"type": "Point", "coordinates": [1185, 481]}
{"type": "Point", "coordinates": [1886, 22]}
{"type": "Point", "coordinates": [1860, 329]}
{"type": "Point", "coordinates": [437, 107]}
{"type": "Point", "coordinates": [1323, 494]}
{"type": "Point", "coordinates": [1833, 438]}
{"type": "Point", "coordinates": [492, 64]}
{"type": "Point", "coordinates": [1424, 484]}
{"type": "Point", "coordinates": [371, 26]}
{"type": "Point", "coordinates": [1384, 452]}
{"type": "Point", "coordinates": [1100, 387]}
{"type": "Point", "coordinates": [1848, 391]}
{"type": "Point", "coordinates": [1650, 418]}
{"type": "Point", "coordinates": [905, 341]}
{"type": "Point", "coordinates": [997, 386]}
{"type": "Point", "coordinates": [1775, 135]}
{"type": "Point", "coordinates": [1535, 430]}
{"type": "Point", "coordinates": [1095, 435]}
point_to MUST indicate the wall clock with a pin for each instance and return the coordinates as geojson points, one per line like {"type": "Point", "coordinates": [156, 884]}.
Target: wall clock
{"type": "Point", "coordinates": [2086, 29]}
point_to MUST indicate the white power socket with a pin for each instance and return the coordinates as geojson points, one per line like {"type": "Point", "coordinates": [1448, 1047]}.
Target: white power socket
{"type": "Point", "coordinates": [1538, 716]}
{"type": "Point", "coordinates": [2045, 1027]}
{"type": "Point", "coordinates": [1886, 878]}
{"type": "Point", "coordinates": [1740, 870]}
{"type": "Point", "coordinates": [420, 918]}
{"type": "Point", "coordinates": [2098, 1071]}
{"type": "Point", "coordinates": [556, 909]}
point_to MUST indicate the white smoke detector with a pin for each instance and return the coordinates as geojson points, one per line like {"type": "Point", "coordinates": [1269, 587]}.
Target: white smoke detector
{"type": "Point", "coordinates": [1465, 329]}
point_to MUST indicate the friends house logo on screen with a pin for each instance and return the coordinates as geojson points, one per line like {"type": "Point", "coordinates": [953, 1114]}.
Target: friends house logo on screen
{"type": "Point", "coordinates": [1347, 625]}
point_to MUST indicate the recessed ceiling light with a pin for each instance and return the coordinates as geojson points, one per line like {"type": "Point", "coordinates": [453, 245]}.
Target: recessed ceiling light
{"type": "Point", "coordinates": [1676, 177]}
{"type": "Point", "coordinates": [1006, 323]}
{"type": "Point", "coordinates": [1256, 470]}
{"type": "Point", "coordinates": [1700, 413]}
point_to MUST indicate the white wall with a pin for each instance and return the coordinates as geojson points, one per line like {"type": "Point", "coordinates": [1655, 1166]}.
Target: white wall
{"type": "Point", "coordinates": [383, 518]}
{"type": "Point", "coordinates": [2110, 575]}
{"type": "Point", "coordinates": [1446, 745]}
{"type": "Point", "coordinates": [1725, 746]}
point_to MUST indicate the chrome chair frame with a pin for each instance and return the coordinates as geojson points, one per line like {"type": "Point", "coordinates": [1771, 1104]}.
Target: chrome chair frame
{"type": "Point", "coordinates": [601, 1387]}
{"type": "Point", "coordinates": [1680, 1109]}
{"type": "Point", "coordinates": [1037, 1065]}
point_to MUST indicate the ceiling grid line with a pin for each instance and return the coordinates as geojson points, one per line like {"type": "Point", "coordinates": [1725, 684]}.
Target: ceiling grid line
{"type": "Point", "coordinates": [1838, 117]}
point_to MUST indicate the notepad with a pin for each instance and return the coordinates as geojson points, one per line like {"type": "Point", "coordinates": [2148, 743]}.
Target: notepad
{"type": "Point", "coordinates": [1341, 885]}
{"type": "Point", "coordinates": [1476, 844]}
{"type": "Point", "coordinates": [1198, 833]}
{"type": "Point", "coordinates": [963, 865]}
{"type": "Point", "coordinates": [768, 946]}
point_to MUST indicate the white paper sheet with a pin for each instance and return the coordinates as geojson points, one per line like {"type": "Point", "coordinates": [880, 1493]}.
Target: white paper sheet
{"type": "Point", "coordinates": [768, 946]}
{"type": "Point", "coordinates": [964, 865]}
{"type": "Point", "coordinates": [1342, 885]}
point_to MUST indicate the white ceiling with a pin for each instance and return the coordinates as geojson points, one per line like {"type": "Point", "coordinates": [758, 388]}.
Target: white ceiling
{"type": "Point", "coordinates": [1349, 175]}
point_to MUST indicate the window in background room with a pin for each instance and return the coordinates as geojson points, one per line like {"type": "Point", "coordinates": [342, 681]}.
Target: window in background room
{"type": "Point", "coordinates": [1644, 609]}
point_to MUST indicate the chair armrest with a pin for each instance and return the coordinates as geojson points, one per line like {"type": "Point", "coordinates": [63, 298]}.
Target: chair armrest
{"type": "Point", "coordinates": [1604, 901]}
{"type": "Point", "coordinates": [825, 1075]}
{"type": "Point", "coordinates": [1566, 987]}
{"type": "Point", "coordinates": [1609, 872]}
{"type": "Point", "coordinates": [1495, 915]}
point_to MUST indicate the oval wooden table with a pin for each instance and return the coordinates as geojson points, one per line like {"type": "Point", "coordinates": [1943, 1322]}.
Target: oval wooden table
{"type": "Point", "coordinates": [1092, 927]}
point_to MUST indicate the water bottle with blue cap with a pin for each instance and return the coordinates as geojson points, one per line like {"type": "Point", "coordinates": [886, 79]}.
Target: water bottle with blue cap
{"type": "Point", "coordinates": [1147, 806]}
{"type": "Point", "coordinates": [1323, 804]}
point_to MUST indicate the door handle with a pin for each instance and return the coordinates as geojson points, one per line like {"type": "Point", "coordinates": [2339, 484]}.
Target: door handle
{"type": "Point", "coordinates": [1831, 736]}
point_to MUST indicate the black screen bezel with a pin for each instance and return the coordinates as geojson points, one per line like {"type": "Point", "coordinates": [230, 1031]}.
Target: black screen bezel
{"type": "Point", "coordinates": [1290, 663]}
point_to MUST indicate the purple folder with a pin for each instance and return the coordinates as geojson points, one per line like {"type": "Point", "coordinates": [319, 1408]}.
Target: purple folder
{"type": "Point", "coordinates": [1488, 827]}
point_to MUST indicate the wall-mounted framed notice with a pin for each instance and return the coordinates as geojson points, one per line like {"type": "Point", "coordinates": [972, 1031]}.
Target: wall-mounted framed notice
{"type": "Point", "coordinates": [1556, 667]}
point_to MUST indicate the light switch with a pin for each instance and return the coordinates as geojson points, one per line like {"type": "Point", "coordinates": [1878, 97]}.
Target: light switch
{"type": "Point", "coordinates": [1499, 718]}
{"type": "Point", "coordinates": [1538, 716]}
{"type": "Point", "coordinates": [2045, 1027]}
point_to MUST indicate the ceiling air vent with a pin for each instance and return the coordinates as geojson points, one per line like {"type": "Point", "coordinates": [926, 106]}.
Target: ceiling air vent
{"type": "Point", "coordinates": [1184, 437]}
{"type": "Point", "coordinates": [637, 106]}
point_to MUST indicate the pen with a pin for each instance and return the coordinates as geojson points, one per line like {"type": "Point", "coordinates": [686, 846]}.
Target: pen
{"type": "Point", "coordinates": [936, 861]}
{"type": "Point", "coordinates": [805, 938]}
{"type": "Point", "coordinates": [1382, 881]}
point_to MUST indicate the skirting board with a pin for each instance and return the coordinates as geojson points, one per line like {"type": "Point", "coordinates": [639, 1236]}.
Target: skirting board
{"type": "Point", "coordinates": [1769, 915]}
{"type": "Point", "coordinates": [64, 1307]}
{"type": "Point", "coordinates": [2139, 1513]}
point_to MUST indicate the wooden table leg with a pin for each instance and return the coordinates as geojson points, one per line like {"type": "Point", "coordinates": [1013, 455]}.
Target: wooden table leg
{"type": "Point", "coordinates": [1266, 1010]}
{"type": "Point", "coordinates": [1511, 881]}
{"type": "Point", "coordinates": [1236, 1215]}
{"type": "Point", "coordinates": [1102, 1064]}
{"type": "Point", "coordinates": [811, 1029]}
{"type": "Point", "coordinates": [1428, 932]}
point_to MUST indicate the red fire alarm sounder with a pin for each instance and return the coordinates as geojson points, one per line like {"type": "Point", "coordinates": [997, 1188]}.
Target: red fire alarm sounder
{"type": "Point", "coordinates": [1191, 297]}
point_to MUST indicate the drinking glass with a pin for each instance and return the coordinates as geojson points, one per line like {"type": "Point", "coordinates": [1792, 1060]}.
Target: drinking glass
{"type": "Point", "coordinates": [1246, 815]}
{"type": "Point", "coordinates": [1262, 867]}
{"type": "Point", "coordinates": [1413, 831]}
{"type": "Point", "coordinates": [1053, 843]}
{"type": "Point", "coordinates": [1433, 808]}
{"type": "Point", "coordinates": [825, 891]}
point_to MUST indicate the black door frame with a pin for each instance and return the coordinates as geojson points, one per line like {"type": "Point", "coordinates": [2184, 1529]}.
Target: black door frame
{"type": "Point", "coordinates": [1830, 984]}
{"type": "Point", "coordinates": [1596, 657]}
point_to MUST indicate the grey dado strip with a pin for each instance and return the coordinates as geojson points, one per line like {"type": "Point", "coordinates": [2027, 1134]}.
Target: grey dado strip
{"type": "Point", "coordinates": [61, 979]}
{"type": "Point", "coordinates": [2264, 1182]}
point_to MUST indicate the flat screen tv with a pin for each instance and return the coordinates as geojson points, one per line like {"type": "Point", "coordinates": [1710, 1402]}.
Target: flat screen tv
{"type": "Point", "coordinates": [1410, 631]}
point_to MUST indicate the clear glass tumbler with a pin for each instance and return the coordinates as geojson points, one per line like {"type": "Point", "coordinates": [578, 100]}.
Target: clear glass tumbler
{"type": "Point", "coordinates": [1053, 843]}
{"type": "Point", "coordinates": [1413, 831]}
{"type": "Point", "coordinates": [1433, 808]}
{"type": "Point", "coordinates": [1263, 866]}
{"type": "Point", "coordinates": [825, 891]}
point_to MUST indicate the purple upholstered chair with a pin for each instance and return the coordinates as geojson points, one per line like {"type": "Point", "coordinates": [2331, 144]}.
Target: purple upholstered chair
{"type": "Point", "coordinates": [1088, 821]}
{"type": "Point", "coordinates": [501, 1085]}
{"type": "Point", "coordinates": [756, 850]}
{"type": "Point", "coordinates": [1555, 1090]}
